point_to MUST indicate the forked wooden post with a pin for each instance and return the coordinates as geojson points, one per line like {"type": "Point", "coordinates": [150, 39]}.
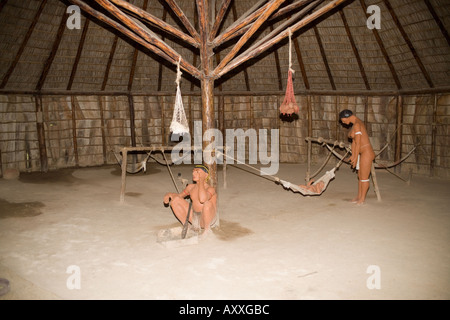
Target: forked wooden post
{"type": "Point", "coordinates": [375, 182]}
{"type": "Point", "coordinates": [124, 174]}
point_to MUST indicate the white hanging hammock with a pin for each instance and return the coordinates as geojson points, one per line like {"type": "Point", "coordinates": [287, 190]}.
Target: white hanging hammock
{"type": "Point", "coordinates": [179, 124]}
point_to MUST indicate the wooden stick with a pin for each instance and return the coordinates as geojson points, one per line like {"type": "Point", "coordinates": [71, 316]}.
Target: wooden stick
{"type": "Point", "coordinates": [180, 14]}
{"type": "Point", "coordinates": [399, 136]}
{"type": "Point", "coordinates": [283, 26]}
{"type": "Point", "coordinates": [243, 40]}
{"type": "Point", "coordinates": [263, 47]}
{"type": "Point", "coordinates": [78, 56]}
{"type": "Point", "coordinates": [239, 26]}
{"type": "Point", "coordinates": [151, 46]}
{"type": "Point", "coordinates": [375, 182]}
{"type": "Point", "coordinates": [40, 128]}
{"type": "Point", "coordinates": [161, 24]}
{"type": "Point", "coordinates": [355, 50]}
{"type": "Point", "coordinates": [221, 14]}
{"type": "Point", "coordinates": [383, 49]}
{"type": "Point", "coordinates": [74, 130]}
{"type": "Point", "coordinates": [23, 45]}
{"type": "Point", "coordinates": [48, 63]}
{"type": "Point", "coordinates": [409, 43]}
{"type": "Point", "coordinates": [433, 137]}
{"type": "Point", "coordinates": [139, 28]}
{"type": "Point", "coordinates": [289, 8]}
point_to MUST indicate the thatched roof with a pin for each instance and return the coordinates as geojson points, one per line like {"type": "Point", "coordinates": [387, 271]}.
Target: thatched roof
{"type": "Point", "coordinates": [338, 52]}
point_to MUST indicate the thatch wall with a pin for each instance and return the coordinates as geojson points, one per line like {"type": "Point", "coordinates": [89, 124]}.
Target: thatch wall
{"type": "Point", "coordinates": [83, 130]}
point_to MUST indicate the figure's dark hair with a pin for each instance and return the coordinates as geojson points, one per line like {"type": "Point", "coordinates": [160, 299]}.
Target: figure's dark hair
{"type": "Point", "coordinates": [345, 114]}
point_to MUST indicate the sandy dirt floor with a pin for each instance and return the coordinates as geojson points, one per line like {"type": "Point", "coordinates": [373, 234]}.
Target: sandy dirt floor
{"type": "Point", "coordinates": [69, 225]}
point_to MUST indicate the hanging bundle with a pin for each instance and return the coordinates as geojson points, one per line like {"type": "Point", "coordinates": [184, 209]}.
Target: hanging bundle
{"type": "Point", "coordinates": [179, 124]}
{"type": "Point", "coordinates": [289, 106]}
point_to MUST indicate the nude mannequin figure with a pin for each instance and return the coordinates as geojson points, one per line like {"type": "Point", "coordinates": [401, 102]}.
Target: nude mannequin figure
{"type": "Point", "coordinates": [203, 197]}
{"type": "Point", "coordinates": [362, 153]}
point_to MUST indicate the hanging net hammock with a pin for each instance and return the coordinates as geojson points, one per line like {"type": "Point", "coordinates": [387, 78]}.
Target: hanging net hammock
{"type": "Point", "coordinates": [179, 124]}
{"type": "Point", "coordinates": [311, 189]}
{"type": "Point", "coordinates": [289, 106]}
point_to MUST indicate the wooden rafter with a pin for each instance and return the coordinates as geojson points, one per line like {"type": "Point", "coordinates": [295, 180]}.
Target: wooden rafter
{"type": "Point", "coordinates": [383, 50]}
{"type": "Point", "coordinates": [2, 4]}
{"type": "Point", "coordinates": [243, 40]}
{"type": "Point", "coordinates": [324, 57]}
{"type": "Point", "coordinates": [110, 59]}
{"type": "Point", "coordinates": [239, 26]}
{"type": "Point", "coordinates": [131, 35]}
{"type": "Point", "coordinates": [282, 35]}
{"type": "Point", "coordinates": [278, 67]}
{"type": "Point", "coordinates": [78, 56]}
{"type": "Point", "coordinates": [284, 26]}
{"type": "Point", "coordinates": [48, 63]}
{"type": "Point", "coordinates": [154, 21]}
{"type": "Point", "coordinates": [135, 56]}
{"type": "Point", "coordinates": [293, 6]}
{"type": "Point", "coordinates": [219, 18]}
{"type": "Point", "coordinates": [409, 43]}
{"type": "Point", "coordinates": [23, 45]}
{"type": "Point", "coordinates": [300, 62]}
{"type": "Point", "coordinates": [160, 67]}
{"type": "Point", "coordinates": [235, 18]}
{"type": "Point", "coordinates": [438, 21]}
{"type": "Point", "coordinates": [139, 28]}
{"type": "Point", "coordinates": [355, 49]}
{"type": "Point", "coordinates": [180, 14]}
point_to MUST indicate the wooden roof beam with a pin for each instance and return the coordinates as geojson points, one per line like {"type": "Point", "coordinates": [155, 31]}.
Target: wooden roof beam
{"type": "Point", "coordinates": [324, 57]}
{"type": "Point", "coordinates": [409, 43]}
{"type": "Point", "coordinates": [108, 65]}
{"type": "Point", "coordinates": [2, 4]}
{"type": "Point", "coordinates": [278, 67]}
{"type": "Point", "coordinates": [100, 16]}
{"type": "Point", "coordinates": [243, 40]}
{"type": "Point", "coordinates": [300, 62]}
{"type": "Point", "coordinates": [48, 63]}
{"type": "Point", "coordinates": [235, 18]}
{"type": "Point", "coordinates": [145, 34]}
{"type": "Point", "coordinates": [283, 34]}
{"type": "Point", "coordinates": [285, 25]}
{"type": "Point", "coordinates": [383, 49]}
{"type": "Point", "coordinates": [184, 20]}
{"type": "Point", "coordinates": [23, 45]}
{"type": "Point", "coordinates": [135, 55]}
{"type": "Point", "coordinates": [289, 8]}
{"type": "Point", "coordinates": [160, 65]}
{"type": "Point", "coordinates": [355, 49]}
{"type": "Point", "coordinates": [78, 56]}
{"type": "Point", "coordinates": [161, 24]}
{"type": "Point", "coordinates": [219, 18]}
{"type": "Point", "coordinates": [239, 26]}
{"type": "Point", "coordinates": [438, 21]}
{"type": "Point", "coordinates": [236, 30]}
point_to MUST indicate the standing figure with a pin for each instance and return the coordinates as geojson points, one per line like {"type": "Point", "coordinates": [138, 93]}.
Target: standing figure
{"type": "Point", "coordinates": [203, 197]}
{"type": "Point", "coordinates": [362, 152]}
